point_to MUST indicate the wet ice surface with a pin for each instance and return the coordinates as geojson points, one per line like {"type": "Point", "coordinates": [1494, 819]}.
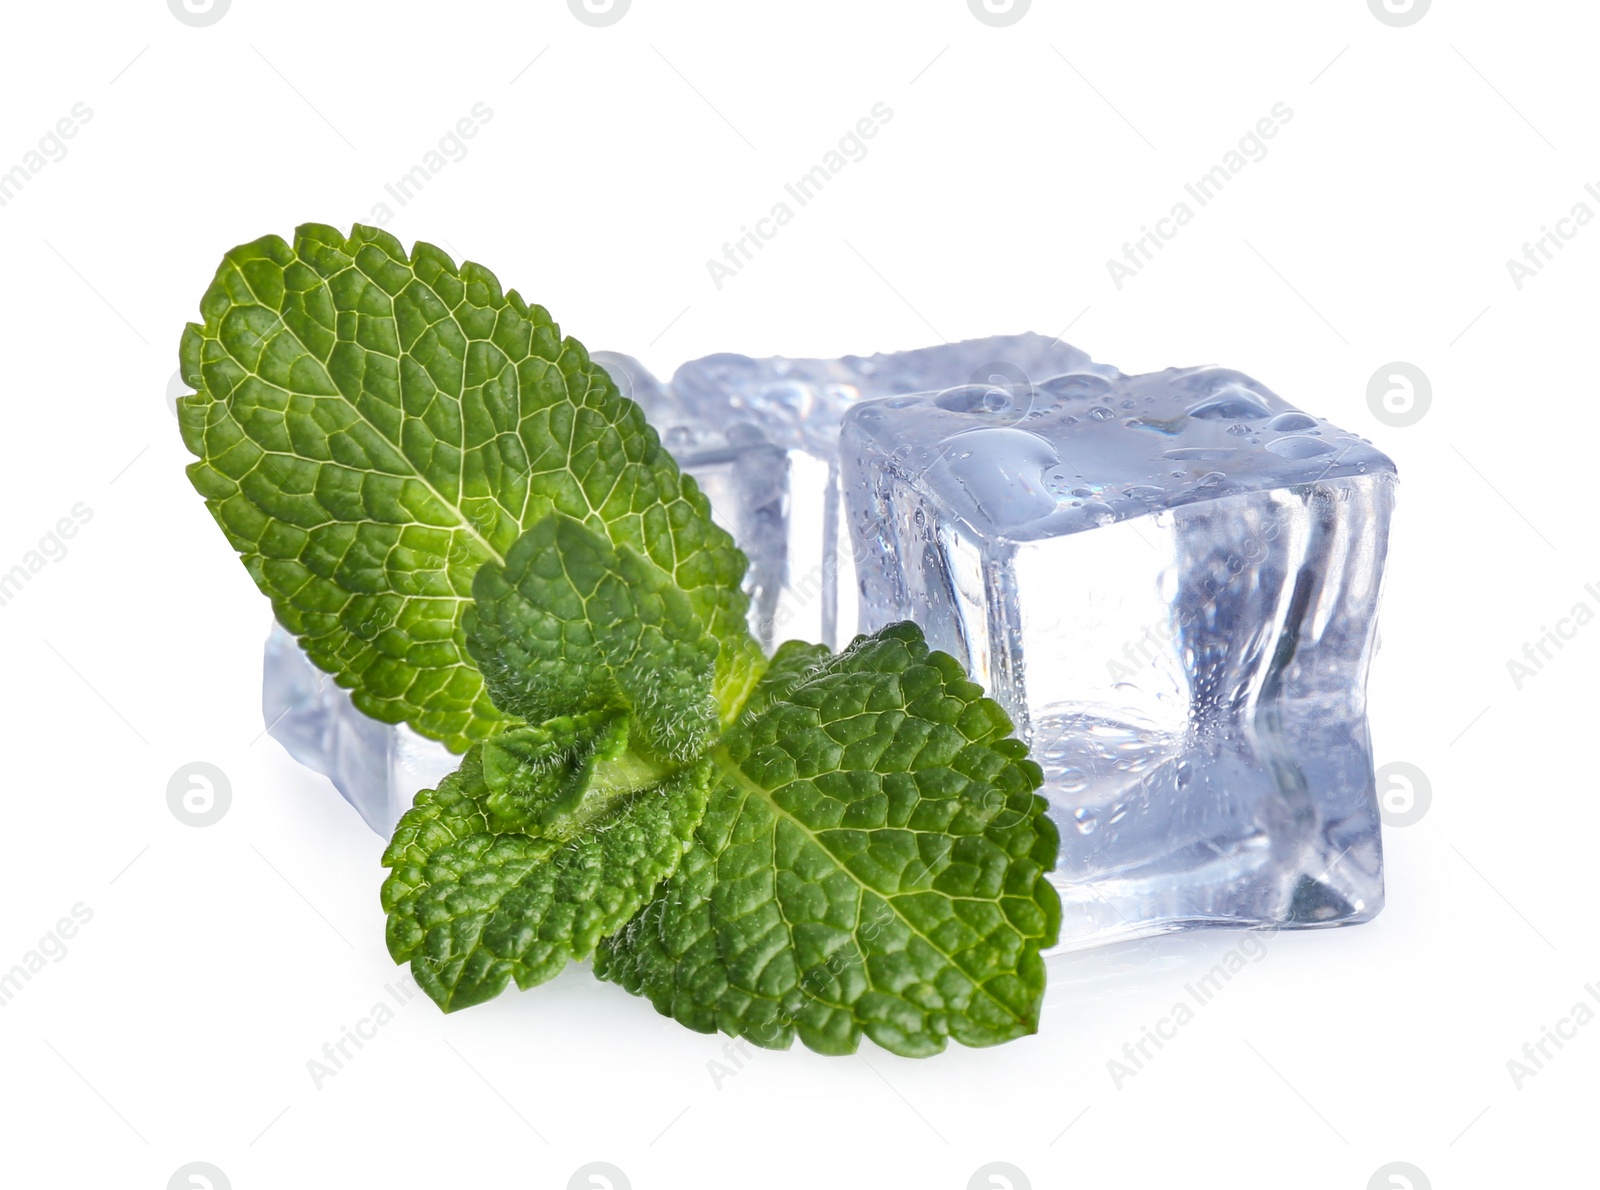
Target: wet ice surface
{"type": "Point", "coordinates": [1170, 582]}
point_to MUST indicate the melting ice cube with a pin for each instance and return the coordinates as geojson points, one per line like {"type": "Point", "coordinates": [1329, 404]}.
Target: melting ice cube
{"type": "Point", "coordinates": [1170, 582]}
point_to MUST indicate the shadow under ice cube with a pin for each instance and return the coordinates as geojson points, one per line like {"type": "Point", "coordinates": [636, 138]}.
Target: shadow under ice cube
{"type": "Point", "coordinates": [1171, 583]}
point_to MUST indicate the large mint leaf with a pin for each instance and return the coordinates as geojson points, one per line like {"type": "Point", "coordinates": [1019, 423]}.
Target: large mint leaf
{"type": "Point", "coordinates": [372, 428]}
{"type": "Point", "coordinates": [572, 624]}
{"type": "Point", "coordinates": [476, 899]}
{"type": "Point", "coordinates": [872, 860]}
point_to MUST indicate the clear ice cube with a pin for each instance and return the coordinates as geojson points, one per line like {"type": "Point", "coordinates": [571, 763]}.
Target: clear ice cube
{"type": "Point", "coordinates": [1170, 582]}
{"type": "Point", "coordinates": [377, 767]}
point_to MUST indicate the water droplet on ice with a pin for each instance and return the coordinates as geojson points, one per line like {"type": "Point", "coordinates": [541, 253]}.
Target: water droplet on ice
{"type": "Point", "coordinates": [1075, 384]}
{"type": "Point", "coordinates": [1071, 780]}
{"type": "Point", "coordinates": [974, 398]}
{"type": "Point", "coordinates": [1231, 403]}
{"type": "Point", "coordinates": [1299, 447]}
{"type": "Point", "coordinates": [1002, 471]}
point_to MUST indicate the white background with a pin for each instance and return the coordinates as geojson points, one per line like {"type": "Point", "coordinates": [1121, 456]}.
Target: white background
{"type": "Point", "coordinates": [218, 961]}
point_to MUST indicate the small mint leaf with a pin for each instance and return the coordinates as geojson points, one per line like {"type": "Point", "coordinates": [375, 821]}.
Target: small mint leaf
{"type": "Point", "coordinates": [473, 907]}
{"type": "Point", "coordinates": [572, 623]}
{"type": "Point", "coordinates": [872, 861]}
{"type": "Point", "coordinates": [537, 778]}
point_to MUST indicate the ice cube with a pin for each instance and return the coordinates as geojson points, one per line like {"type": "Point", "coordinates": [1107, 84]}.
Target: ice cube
{"type": "Point", "coordinates": [377, 767]}
{"type": "Point", "coordinates": [1170, 581]}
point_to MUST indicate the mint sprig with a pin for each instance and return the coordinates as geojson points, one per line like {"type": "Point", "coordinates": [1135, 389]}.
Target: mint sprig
{"type": "Point", "coordinates": [464, 522]}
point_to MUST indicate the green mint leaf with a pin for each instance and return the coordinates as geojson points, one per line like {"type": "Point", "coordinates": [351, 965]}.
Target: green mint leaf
{"type": "Point", "coordinates": [574, 624]}
{"type": "Point", "coordinates": [371, 428]}
{"type": "Point", "coordinates": [461, 518]}
{"type": "Point", "coordinates": [872, 860]}
{"type": "Point", "coordinates": [478, 897]}
{"type": "Point", "coordinates": [793, 662]}
{"type": "Point", "coordinates": [537, 777]}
